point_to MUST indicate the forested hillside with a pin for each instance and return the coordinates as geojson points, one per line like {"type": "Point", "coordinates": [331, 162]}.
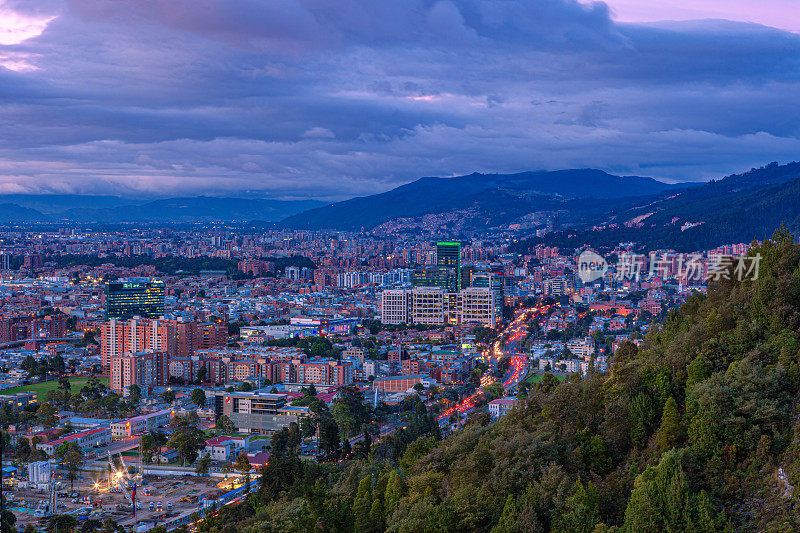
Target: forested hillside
{"type": "Point", "coordinates": [687, 433]}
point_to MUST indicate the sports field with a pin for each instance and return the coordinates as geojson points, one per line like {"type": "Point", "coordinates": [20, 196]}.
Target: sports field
{"type": "Point", "coordinates": [536, 378]}
{"type": "Point", "coordinates": [42, 388]}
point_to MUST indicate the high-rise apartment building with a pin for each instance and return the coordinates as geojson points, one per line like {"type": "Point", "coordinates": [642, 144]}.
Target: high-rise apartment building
{"type": "Point", "coordinates": [396, 306]}
{"type": "Point", "coordinates": [14, 328]}
{"type": "Point", "coordinates": [325, 372]}
{"type": "Point", "coordinates": [139, 368]}
{"type": "Point", "coordinates": [135, 297]}
{"type": "Point", "coordinates": [176, 338]}
{"type": "Point", "coordinates": [477, 304]}
{"type": "Point", "coordinates": [429, 305]}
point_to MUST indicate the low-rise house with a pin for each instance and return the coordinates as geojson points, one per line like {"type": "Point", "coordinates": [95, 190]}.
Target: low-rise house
{"type": "Point", "coordinates": [90, 438]}
{"type": "Point", "coordinates": [501, 406]}
{"type": "Point", "coordinates": [141, 424]}
{"type": "Point", "coordinates": [225, 448]}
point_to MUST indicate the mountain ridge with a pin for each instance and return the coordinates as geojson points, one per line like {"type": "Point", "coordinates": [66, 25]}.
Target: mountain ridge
{"type": "Point", "coordinates": [425, 195]}
{"type": "Point", "coordinates": [177, 209]}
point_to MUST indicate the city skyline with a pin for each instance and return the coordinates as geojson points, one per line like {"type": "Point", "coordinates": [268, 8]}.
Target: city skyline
{"type": "Point", "coordinates": [302, 101]}
{"type": "Point", "coordinates": [427, 265]}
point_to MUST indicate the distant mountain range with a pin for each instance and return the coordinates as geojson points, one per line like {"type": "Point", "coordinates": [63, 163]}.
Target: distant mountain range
{"type": "Point", "coordinates": [588, 205]}
{"type": "Point", "coordinates": [482, 194]}
{"type": "Point", "coordinates": [111, 209]}
{"type": "Point", "coordinates": [737, 208]}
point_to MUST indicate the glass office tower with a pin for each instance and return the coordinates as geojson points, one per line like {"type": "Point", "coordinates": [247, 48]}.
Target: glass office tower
{"type": "Point", "coordinates": [448, 265]}
{"type": "Point", "coordinates": [135, 297]}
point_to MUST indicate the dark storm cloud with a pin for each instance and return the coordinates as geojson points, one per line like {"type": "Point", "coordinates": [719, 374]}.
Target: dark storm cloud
{"type": "Point", "coordinates": [332, 99]}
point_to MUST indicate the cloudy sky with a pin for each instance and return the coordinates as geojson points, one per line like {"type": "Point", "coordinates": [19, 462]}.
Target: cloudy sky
{"type": "Point", "coordinates": [330, 99]}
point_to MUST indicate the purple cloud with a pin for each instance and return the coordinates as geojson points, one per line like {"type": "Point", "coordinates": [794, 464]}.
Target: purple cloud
{"type": "Point", "coordinates": [306, 98]}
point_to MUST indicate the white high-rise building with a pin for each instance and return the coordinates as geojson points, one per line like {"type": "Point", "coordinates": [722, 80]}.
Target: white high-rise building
{"type": "Point", "coordinates": [477, 304]}
{"type": "Point", "coordinates": [429, 305]}
{"type": "Point", "coordinates": [395, 306]}
{"type": "Point", "coordinates": [435, 306]}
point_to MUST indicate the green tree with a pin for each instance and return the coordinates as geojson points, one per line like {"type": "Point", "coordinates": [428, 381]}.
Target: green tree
{"type": "Point", "coordinates": [349, 411]}
{"type": "Point", "coordinates": [47, 415]}
{"type": "Point", "coordinates": [329, 437]}
{"type": "Point", "coordinates": [203, 465]}
{"type": "Point", "coordinates": [62, 522]}
{"type": "Point", "coordinates": [581, 513]}
{"type": "Point", "coordinates": [168, 396]}
{"type": "Point", "coordinates": [394, 492]}
{"type": "Point", "coordinates": [64, 383]}
{"type": "Point", "coordinates": [198, 397]}
{"type": "Point", "coordinates": [186, 437]}
{"type": "Point", "coordinates": [376, 514]}
{"type": "Point", "coordinates": [135, 393]}
{"type": "Point", "coordinates": [669, 433]}
{"type": "Point", "coordinates": [662, 501]}
{"type": "Point", "coordinates": [7, 518]}
{"type": "Point", "coordinates": [22, 450]}
{"type": "Point", "coordinates": [150, 444]}
{"type": "Point", "coordinates": [508, 518]}
{"type": "Point", "coordinates": [494, 391]}
{"type": "Point", "coordinates": [362, 505]}
{"type": "Point", "coordinates": [225, 425]}
{"type": "Point", "coordinates": [29, 365]}
{"type": "Point", "coordinates": [698, 371]}
{"type": "Point", "coordinates": [71, 456]}
{"type": "Point", "coordinates": [243, 466]}
{"type": "Point", "coordinates": [642, 413]}
{"type": "Point", "coordinates": [91, 525]}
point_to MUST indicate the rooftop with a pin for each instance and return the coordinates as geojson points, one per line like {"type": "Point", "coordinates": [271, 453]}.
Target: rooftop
{"type": "Point", "coordinates": [503, 401]}
{"type": "Point", "coordinates": [80, 434]}
{"type": "Point", "coordinates": [146, 416]}
{"type": "Point", "coordinates": [406, 376]}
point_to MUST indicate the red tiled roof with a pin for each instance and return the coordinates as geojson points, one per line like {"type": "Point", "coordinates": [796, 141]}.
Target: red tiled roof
{"type": "Point", "coordinates": [70, 438]}
{"type": "Point", "coordinates": [216, 441]}
{"type": "Point", "coordinates": [259, 458]}
{"type": "Point", "coordinates": [504, 401]}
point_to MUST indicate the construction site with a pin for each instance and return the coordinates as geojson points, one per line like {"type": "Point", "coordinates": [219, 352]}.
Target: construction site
{"type": "Point", "coordinates": [113, 492]}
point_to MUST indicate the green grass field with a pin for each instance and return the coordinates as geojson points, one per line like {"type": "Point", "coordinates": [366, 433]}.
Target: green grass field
{"type": "Point", "coordinates": [536, 378]}
{"type": "Point", "coordinates": [42, 388]}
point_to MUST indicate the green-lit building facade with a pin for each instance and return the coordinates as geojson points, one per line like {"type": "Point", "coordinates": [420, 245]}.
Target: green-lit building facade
{"type": "Point", "coordinates": [446, 273]}
{"type": "Point", "coordinates": [135, 297]}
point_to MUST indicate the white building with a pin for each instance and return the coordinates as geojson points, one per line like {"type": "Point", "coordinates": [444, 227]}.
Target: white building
{"type": "Point", "coordinates": [435, 306]}
{"type": "Point", "coordinates": [141, 424]}
{"type": "Point", "coordinates": [429, 305]}
{"type": "Point", "coordinates": [501, 406]}
{"type": "Point", "coordinates": [90, 438]}
{"type": "Point", "coordinates": [371, 368]}
{"type": "Point", "coordinates": [396, 306]}
{"type": "Point", "coordinates": [583, 347]}
{"type": "Point", "coordinates": [225, 448]}
{"type": "Point", "coordinates": [476, 304]}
